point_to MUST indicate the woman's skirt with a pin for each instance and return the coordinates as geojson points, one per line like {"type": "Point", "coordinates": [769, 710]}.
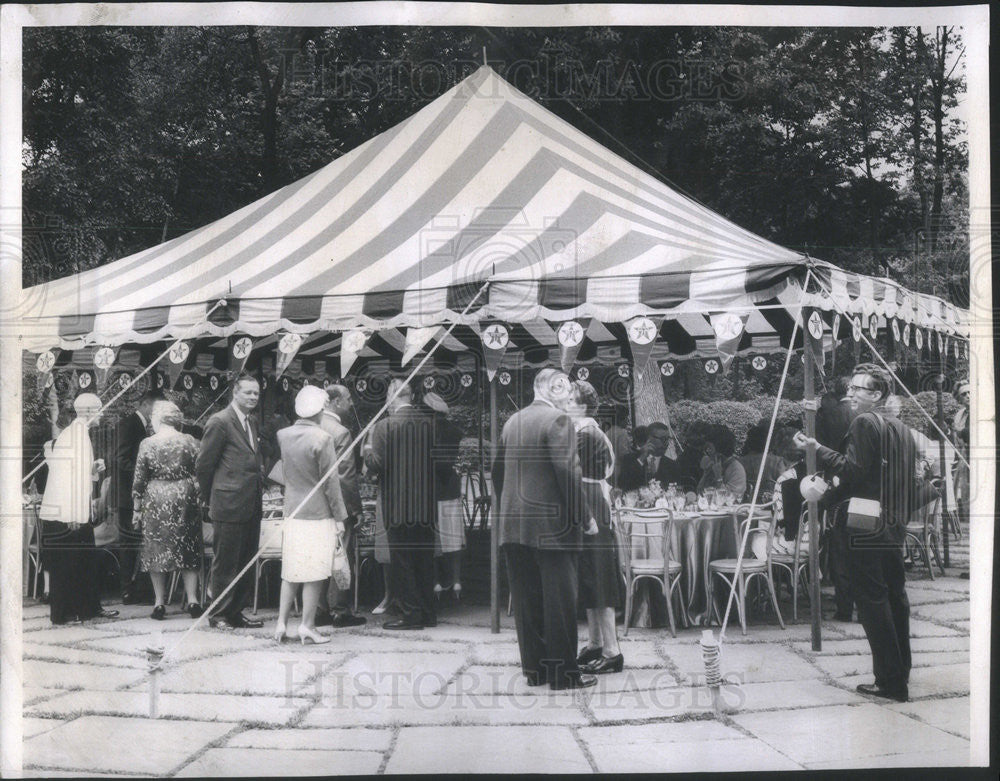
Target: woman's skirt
{"type": "Point", "coordinates": [600, 565]}
{"type": "Point", "coordinates": [307, 548]}
{"type": "Point", "coordinates": [450, 530]}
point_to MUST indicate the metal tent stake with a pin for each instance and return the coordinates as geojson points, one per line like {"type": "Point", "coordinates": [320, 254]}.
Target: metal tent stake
{"type": "Point", "coordinates": [154, 658]}
{"type": "Point", "coordinates": [711, 656]}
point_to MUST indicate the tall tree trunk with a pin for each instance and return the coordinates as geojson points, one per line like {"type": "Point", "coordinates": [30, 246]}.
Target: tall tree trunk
{"type": "Point", "coordinates": [650, 406]}
{"type": "Point", "coordinates": [937, 109]}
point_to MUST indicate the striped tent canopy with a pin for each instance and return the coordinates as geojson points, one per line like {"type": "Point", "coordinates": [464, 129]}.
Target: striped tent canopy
{"type": "Point", "coordinates": [483, 206]}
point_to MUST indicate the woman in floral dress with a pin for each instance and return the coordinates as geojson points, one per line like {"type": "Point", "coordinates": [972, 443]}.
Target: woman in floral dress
{"type": "Point", "coordinates": [165, 496]}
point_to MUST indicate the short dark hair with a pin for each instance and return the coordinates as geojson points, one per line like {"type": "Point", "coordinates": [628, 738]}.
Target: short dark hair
{"type": "Point", "coordinates": [881, 379]}
{"type": "Point", "coordinates": [584, 393]}
{"type": "Point", "coordinates": [640, 435]}
{"type": "Point", "coordinates": [337, 392]}
{"type": "Point", "coordinates": [840, 386]}
{"type": "Point", "coordinates": [658, 426]}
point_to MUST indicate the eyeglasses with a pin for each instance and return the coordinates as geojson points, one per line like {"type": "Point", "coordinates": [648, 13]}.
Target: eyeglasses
{"type": "Point", "coordinates": [858, 388]}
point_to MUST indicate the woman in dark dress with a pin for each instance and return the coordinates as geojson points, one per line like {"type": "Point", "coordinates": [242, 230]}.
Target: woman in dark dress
{"type": "Point", "coordinates": [599, 566]}
{"type": "Point", "coordinates": [449, 528]}
{"type": "Point", "coordinates": [165, 497]}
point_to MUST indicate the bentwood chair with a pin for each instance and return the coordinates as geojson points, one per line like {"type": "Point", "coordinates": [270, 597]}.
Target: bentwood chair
{"type": "Point", "coordinates": [922, 535]}
{"type": "Point", "coordinates": [749, 568]}
{"type": "Point", "coordinates": [796, 564]}
{"type": "Point", "coordinates": [645, 538]}
{"type": "Point", "coordinates": [270, 544]}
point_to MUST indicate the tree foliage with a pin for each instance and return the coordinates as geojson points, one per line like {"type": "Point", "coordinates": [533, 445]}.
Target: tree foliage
{"type": "Point", "coordinates": [842, 142]}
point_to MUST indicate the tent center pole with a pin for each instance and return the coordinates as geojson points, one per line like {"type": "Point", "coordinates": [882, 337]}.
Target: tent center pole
{"type": "Point", "coordinates": [815, 608]}
{"type": "Point", "coordinates": [945, 526]}
{"type": "Point", "coordinates": [494, 521]}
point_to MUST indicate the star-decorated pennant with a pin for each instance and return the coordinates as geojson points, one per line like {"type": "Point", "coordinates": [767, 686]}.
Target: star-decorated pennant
{"type": "Point", "coordinates": [45, 362]}
{"type": "Point", "coordinates": [642, 333]}
{"type": "Point", "coordinates": [918, 339]}
{"type": "Point", "coordinates": [104, 359]}
{"type": "Point", "coordinates": [240, 348]}
{"type": "Point", "coordinates": [416, 340]}
{"type": "Point", "coordinates": [667, 368]}
{"type": "Point", "coordinates": [496, 338]}
{"type": "Point", "coordinates": [895, 331]}
{"type": "Point", "coordinates": [351, 345]}
{"type": "Point", "coordinates": [728, 329]}
{"type": "Point", "coordinates": [177, 355]}
{"type": "Point", "coordinates": [835, 330]}
{"type": "Point", "coordinates": [571, 335]}
{"type": "Point", "coordinates": [814, 337]}
{"type": "Point", "coordinates": [712, 366]}
{"type": "Point", "coordinates": [759, 363]}
{"type": "Point", "coordinates": [288, 346]}
{"type": "Point", "coordinates": [873, 327]}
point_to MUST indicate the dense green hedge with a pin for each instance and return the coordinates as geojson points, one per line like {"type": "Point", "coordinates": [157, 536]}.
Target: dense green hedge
{"type": "Point", "coordinates": [737, 416]}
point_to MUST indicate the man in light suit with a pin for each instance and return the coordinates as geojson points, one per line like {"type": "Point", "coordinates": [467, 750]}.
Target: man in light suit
{"type": "Point", "coordinates": [543, 514]}
{"type": "Point", "coordinates": [337, 610]}
{"type": "Point", "coordinates": [401, 454]}
{"type": "Point", "coordinates": [230, 476]}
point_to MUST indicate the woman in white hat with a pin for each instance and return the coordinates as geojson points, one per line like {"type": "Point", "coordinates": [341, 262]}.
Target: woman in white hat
{"type": "Point", "coordinates": [66, 515]}
{"type": "Point", "coordinates": [314, 512]}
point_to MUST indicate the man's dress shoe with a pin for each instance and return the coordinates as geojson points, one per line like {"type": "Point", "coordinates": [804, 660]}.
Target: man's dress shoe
{"type": "Point", "coordinates": [898, 695]}
{"type": "Point", "coordinates": [402, 623]}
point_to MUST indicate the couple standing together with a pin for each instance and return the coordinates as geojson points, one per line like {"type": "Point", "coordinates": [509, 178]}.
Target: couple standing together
{"type": "Point", "coordinates": [550, 472]}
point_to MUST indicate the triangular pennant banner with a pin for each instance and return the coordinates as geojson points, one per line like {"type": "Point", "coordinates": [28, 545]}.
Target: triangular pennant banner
{"type": "Point", "coordinates": [895, 330]}
{"type": "Point", "coordinates": [642, 332]}
{"type": "Point", "coordinates": [728, 329]}
{"type": "Point", "coordinates": [814, 337]}
{"type": "Point", "coordinates": [240, 348]}
{"type": "Point", "coordinates": [495, 338]}
{"type": "Point", "coordinates": [104, 359]}
{"type": "Point", "coordinates": [570, 335]}
{"type": "Point", "coordinates": [288, 346]}
{"type": "Point", "coordinates": [833, 352]}
{"type": "Point", "coordinates": [176, 356]}
{"type": "Point", "coordinates": [351, 344]}
{"type": "Point", "coordinates": [416, 338]}
{"type": "Point", "coordinates": [45, 363]}
{"type": "Point", "coordinates": [918, 339]}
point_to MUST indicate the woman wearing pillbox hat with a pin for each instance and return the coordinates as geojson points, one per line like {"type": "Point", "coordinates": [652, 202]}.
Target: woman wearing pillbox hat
{"type": "Point", "coordinates": [314, 512]}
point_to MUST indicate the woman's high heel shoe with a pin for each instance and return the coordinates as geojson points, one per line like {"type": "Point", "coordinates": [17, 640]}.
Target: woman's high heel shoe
{"type": "Point", "coordinates": [381, 608]}
{"type": "Point", "coordinates": [309, 636]}
{"type": "Point", "coordinates": [280, 633]}
{"type": "Point", "coordinates": [457, 588]}
{"type": "Point", "coordinates": [589, 654]}
{"type": "Point", "coordinates": [613, 664]}
{"type": "Point", "coordinates": [159, 612]}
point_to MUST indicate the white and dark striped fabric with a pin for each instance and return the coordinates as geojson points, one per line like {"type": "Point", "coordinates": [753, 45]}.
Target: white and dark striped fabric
{"type": "Point", "coordinates": [403, 231]}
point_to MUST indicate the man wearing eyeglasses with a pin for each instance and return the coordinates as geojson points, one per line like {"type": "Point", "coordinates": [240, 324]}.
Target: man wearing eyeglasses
{"type": "Point", "coordinates": [879, 463]}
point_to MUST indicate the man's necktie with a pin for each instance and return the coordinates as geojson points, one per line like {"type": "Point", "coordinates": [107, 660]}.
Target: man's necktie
{"type": "Point", "coordinates": [246, 425]}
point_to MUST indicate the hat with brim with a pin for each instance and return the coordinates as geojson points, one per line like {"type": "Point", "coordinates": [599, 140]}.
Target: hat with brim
{"type": "Point", "coordinates": [86, 402]}
{"type": "Point", "coordinates": [436, 403]}
{"type": "Point", "coordinates": [310, 401]}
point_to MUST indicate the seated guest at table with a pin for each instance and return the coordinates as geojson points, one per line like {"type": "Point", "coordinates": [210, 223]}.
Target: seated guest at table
{"type": "Point", "coordinates": [66, 514]}
{"type": "Point", "coordinates": [719, 467]}
{"type": "Point", "coordinates": [612, 419]}
{"type": "Point", "coordinates": [450, 527]}
{"type": "Point", "coordinates": [165, 507]}
{"type": "Point", "coordinates": [314, 522]}
{"type": "Point", "coordinates": [753, 454]}
{"type": "Point", "coordinates": [599, 565]}
{"type": "Point", "coordinates": [630, 469]}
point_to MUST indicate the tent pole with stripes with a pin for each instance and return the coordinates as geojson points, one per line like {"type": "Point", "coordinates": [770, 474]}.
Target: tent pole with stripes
{"type": "Point", "coordinates": [377, 253]}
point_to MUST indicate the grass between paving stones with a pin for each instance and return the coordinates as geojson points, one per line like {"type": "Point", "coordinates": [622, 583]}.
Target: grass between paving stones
{"type": "Point", "coordinates": [122, 773]}
{"type": "Point", "coordinates": [575, 732]}
{"type": "Point", "coordinates": [393, 740]}
{"type": "Point", "coordinates": [218, 743]}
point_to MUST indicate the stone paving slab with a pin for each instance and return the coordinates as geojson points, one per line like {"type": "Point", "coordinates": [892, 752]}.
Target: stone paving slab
{"type": "Point", "coordinates": [950, 584]}
{"type": "Point", "coordinates": [950, 715]}
{"type": "Point", "coordinates": [860, 646]}
{"type": "Point", "coordinates": [496, 654]}
{"type": "Point", "coordinates": [481, 680]}
{"type": "Point", "coordinates": [81, 656]}
{"type": "Point", "coordinates": [249, 672]}
{"type": "Point", "coordinates": [756, 633]}
{"type": "Point", "coordinates": [204, 707]}
{"type": "Point", "coordinates": [32, 726]}
{"type": "Point", "coordinates": [35, 623]}
{"type": "Point", "coordinates": [929, 681]}
{"type": "Point", "coordinates": [360, 739]}
{"type": "Point", "coordinates": [705, 756]}
{"type": "Point", "coordinates": [409, 674]}
{"type": "Point", "coordinates": [748, 662]}
{"type": "Point", "coordinates": [57, 675]}
{"type": "Point", "coordinates": [922, 596]}
{"type": "Point", "coordinates": [786, 695]}
{"type": "Point", "coordinates": [43, 772]}
{"type": "Point", "coordinates": [33, 694]}
{"type": "Point", "coordinates": [946, 758]}
{"type": "Point", "coordinates": [386, 710]}
{"type": "Point", "coordinates": [475, 750]}
{"type": "Point", "coordinates": [644, 705]}
{"type": "Point", "coordinates": [198, 643]}
{"type": "Point", "coordinates": [641, 655]}
{"type": "Point", "coordinates": [950, 612]}
{"type": "Point", "coordinates": [390, 643]}
{"type": "Point", "coordinates": [54, 635]}
{"type": "Point", "coordinates": [643, 734]}
{"type": "Point", "coordinates": [841, 733]}
{"type": "Point", "coordinates": [174, 622]}
{"type": "Point", "coordinates": [861, 664]}
{"type": "Point", "coordinates": [140, 745]}
{"type": "Point", "coordinates": [281, 762]}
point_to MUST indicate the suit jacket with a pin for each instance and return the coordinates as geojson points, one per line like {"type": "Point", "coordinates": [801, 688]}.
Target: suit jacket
{"type": "Point", "coordinates": [879, 461]}
{"type": "Point", "coordinates": [230, 471]}
{"type": "Point", "coordinates": [447, 439]}
{"type": "Point", "coordinates": [128, 434]}
{"type": "Point", "coordinates": [631, 473]}
{"type": "Point", "coordinates": [402, 456]}
{"type": "Point", "coordinates": [537, 475]}
{"type": "Point", "coordinates": [69, 487]}
{"type": "Point", "coordinates": [348, 468]}
{"type": "Point", "coordinates": [307, 453]}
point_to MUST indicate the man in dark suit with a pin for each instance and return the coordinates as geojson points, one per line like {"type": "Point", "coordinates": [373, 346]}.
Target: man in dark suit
{"type": "Point", "coordinates": [833, 419]}
{"type": "Point", "coordinates": [335, 604]}
{"type": "Point", "coordinates": [230, 476]}
{"type": "Point", "coordinates": [400, 452]}
{"type": "Point", "coordinates": [648, 461]}
{"type": "Point", "coordinates": [879, 463]}
{"type": "Point", "coordinates": [543, 514]}
{"type": "Point", "coordinates": [131, 430]}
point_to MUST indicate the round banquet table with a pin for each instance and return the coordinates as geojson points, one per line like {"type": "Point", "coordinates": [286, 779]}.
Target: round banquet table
{"type": "Point", "coordinates": [697, 538]}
